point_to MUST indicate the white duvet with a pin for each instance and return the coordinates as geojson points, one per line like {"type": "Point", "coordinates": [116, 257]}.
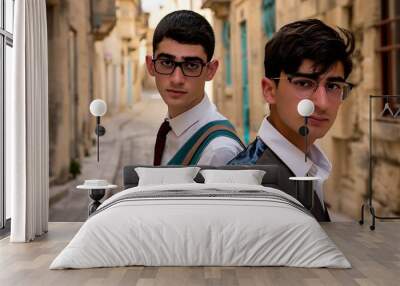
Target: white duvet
{"type": "Point", "coordinates": [183, 231]}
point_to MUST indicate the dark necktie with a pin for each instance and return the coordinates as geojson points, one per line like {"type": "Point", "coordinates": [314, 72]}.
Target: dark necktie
{"type": "Point", "coordinates": [318, 210]}
{"type": "Point", "coordinates": [160, 142]}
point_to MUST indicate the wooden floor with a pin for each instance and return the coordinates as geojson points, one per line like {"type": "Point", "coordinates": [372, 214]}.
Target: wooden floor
{"type": "Point", "coordinates": [375, 257]}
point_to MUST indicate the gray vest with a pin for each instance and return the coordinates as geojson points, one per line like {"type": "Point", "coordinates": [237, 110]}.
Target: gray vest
{"type": "Point", "coordinates": [259, 153]}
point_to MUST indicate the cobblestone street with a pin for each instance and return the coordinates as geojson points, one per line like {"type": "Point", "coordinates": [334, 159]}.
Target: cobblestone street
{"type": "Point", "coordinates": [129, 140]}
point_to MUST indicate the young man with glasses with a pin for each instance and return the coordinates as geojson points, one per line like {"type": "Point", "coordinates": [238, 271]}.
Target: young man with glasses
{"type": "Point", "coordinates": [193, 131]}
{"type": "Point", "coordinates": [303, 60]}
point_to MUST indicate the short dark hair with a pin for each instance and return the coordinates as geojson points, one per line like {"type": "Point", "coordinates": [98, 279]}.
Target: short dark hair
{"type": "Point", "coordinates": [186, 27]}
{"type": "Point", "coordinates": [308, 39]}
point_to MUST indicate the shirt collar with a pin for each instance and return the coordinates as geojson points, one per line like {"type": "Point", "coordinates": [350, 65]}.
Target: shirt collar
{"type": "Point", "coordinates": [185, 120]}
{"type": "Point", "coordinates": [291, 155]}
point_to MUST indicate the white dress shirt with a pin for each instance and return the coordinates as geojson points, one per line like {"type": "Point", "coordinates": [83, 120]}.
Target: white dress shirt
{"type": "Point", "coordinates": [317, 164]}
{"type": "Point", "coordinates": [218, 152]}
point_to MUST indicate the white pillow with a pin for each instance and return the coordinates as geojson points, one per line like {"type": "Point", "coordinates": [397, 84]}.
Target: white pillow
{"type": "Point", "coordinates": [248, 177]}
{"type": "Point", "coordinates": [164, 176]}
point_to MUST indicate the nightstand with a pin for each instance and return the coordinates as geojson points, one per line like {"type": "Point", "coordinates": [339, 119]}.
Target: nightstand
{"type": "Point", "coordinates": [97, 190]}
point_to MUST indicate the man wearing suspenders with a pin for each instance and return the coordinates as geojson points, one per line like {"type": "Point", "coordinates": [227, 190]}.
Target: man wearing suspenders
{"type": "Point", "coordinates": [304, 59]}
{"type": "Point", "coordinates": [194, 132]}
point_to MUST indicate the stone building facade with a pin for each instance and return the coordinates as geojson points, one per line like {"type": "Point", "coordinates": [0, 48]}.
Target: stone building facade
{"type": "Point", "coordinates": [240, 39]}
{"type": "Point", "coordinates": [70, 44]}
{"type": "Point", "coordinates": [95, 47]}
{"type": "Point", "coordinates": [376, 26]}
{"type": "Point", "coordinates": [120, 58]}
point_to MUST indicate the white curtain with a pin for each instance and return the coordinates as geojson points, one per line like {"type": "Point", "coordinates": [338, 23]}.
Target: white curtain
{"type": "Point", "coordinates": [27, 124]}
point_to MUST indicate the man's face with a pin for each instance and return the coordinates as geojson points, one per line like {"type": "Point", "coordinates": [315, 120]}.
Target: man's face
{"type": "Point", "coordinates": [285, 97]}
{"type": "Point", "coordinates": [178, 91]}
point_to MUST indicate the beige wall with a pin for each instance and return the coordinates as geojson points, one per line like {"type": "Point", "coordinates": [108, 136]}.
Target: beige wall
{"type": "Point", "coordinates": [347, 142]}
{"type": "Point", "coordinates": [68, 98]}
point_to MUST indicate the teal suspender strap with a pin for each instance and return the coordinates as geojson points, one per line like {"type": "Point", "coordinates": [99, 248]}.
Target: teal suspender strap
{"type": "Point", "coordinates": [190, 152]}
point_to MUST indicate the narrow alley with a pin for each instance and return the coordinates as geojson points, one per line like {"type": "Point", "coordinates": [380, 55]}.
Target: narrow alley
{"type": "Point", "coordinates": [129, 140]}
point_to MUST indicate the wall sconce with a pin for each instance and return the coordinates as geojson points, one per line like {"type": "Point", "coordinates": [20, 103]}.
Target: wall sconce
{"type": "Point", "coordinates": [305, 108]}
{"type": "Point", "coordinates": [98, 108]}
{"type": "Point", "coordinates": [304, 185]}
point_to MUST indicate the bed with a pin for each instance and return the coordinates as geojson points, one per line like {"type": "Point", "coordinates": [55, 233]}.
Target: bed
{"type": "Point", "coordinates": [201, 224]}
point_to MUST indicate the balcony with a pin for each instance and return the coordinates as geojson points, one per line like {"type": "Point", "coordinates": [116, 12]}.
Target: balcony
{"type": "Point", "coordinates": [220, 7]}
{"type": "Point", "coordinates": [103, 17]}
{"type": "Point", "coordinates": [142, 24]}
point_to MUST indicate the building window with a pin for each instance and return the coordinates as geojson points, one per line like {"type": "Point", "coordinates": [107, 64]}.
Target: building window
{"type": "Point", "coordinates": [268, 17]}
{"type": "Point", "coordinates": [226, 40]}
{"type": "Point", "coordinates": [6, 64]}
{"type": "Point", "coordinates": [390, 56]}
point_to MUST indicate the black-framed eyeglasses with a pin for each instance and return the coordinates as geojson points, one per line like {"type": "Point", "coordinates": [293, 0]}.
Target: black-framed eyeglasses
{"type": "Point", "coordinates": [188, 68]}
{"type": "Point", "coordinates": [306, 86]}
